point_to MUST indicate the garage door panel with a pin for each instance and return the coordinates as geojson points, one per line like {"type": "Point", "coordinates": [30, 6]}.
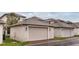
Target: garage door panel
{"type": "Point", "coordinates": [38, 33]}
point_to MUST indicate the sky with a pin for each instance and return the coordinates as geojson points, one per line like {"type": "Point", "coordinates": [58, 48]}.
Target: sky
{"type": "Point", "coordinates": [67, 16]}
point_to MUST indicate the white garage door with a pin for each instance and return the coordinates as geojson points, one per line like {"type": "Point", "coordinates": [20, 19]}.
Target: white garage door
{"type": "Point", "coordinates": [38, 34]}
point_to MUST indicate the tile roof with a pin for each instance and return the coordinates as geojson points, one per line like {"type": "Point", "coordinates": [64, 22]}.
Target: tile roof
{"type": "Point", "coordinates": [26, 21]}
{"type": "Point", "coordinates": [59, 23]}
{"type": "Point", "coordinates": [51, 22]}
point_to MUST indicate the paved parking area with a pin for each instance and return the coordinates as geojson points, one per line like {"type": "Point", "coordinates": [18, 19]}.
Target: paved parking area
{"type": "Point", "coordinates": [66, 42]}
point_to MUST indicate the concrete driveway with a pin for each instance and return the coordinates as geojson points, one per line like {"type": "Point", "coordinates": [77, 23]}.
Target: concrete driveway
{"type": "Point", "coordinates": [67, 42]}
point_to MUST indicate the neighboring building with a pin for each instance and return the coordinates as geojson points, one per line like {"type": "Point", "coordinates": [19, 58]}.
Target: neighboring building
{"type": "Point", "coordinates": [76, 28]}
{"type": "Point", "coordinates": [1, 31]}
{"type": "Point", "coordinates": [4, 18]}
{"type": "Point", "coordinates": [61, 28]}
{"type": "Point", "coordinates": [32, 29]}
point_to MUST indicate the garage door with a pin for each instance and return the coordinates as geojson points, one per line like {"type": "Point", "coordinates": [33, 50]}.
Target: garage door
{"type": "Point", "coordinates": [38, 34]}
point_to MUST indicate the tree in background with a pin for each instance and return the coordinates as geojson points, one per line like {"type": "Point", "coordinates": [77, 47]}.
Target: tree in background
{"type": "Point", "coordinates": [12, 18]}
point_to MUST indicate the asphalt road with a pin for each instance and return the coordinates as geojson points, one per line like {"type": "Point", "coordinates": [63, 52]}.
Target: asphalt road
{"type": "Point", "coordinates": [67, 42]}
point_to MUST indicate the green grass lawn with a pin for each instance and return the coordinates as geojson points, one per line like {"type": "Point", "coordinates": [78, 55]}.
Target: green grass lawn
{"type": "Point", "coordinates": [60, 38]}
{"type": "Point", "coordinates": [10, 42]}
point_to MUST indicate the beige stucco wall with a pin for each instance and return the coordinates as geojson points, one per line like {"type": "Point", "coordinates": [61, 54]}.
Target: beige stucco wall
{"type": "Point", "coordinates": [19, 33]}
{"type": "Point", "coordinates": [26, 33]}
{"type": "Point", "coordinates": [1, 33]}
{"type": "Point", "coordinates": [76, 31]}
{"type": "Point", "coordinates": [50, 32]}
{"type": "Point", "coordinates": [63, 32]}
{"type": "Point", "coordinates": [31, 34]}
{"type": "Point", "coordinates": [72, 32]}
